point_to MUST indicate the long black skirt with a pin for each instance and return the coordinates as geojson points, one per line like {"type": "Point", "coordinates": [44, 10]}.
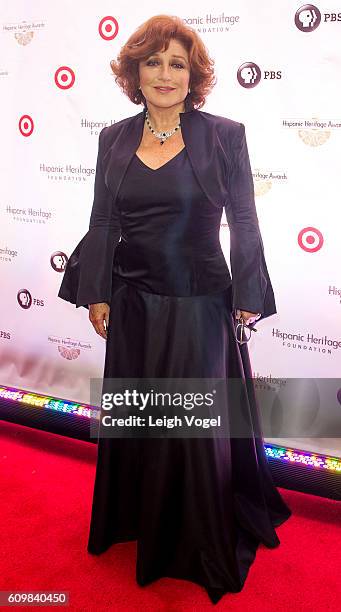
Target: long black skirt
{"type": "Point", "coordinates": [198, 507]}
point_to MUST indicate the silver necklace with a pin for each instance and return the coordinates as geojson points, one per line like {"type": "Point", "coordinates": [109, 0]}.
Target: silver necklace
{"type": "Point", "coordinates": [161, 135]}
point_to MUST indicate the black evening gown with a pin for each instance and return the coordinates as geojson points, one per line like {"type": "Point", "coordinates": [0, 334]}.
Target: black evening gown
{"type": "Point", "coordinates": [198, 507]}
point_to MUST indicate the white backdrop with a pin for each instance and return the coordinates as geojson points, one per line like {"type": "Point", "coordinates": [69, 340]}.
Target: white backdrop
{"type": "Point", "coordinates": [47, 177]}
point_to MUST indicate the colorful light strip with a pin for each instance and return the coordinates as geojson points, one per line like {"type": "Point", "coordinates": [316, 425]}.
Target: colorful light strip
{"type": "Point", "coordinates": [303, 457]}
{"type": "Point", "coordinates": [47, 402]}
{"type": "Point", "coordinates": [310, 460]}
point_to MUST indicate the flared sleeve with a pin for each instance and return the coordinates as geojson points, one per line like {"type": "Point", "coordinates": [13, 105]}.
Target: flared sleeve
{"type": "Point", "coordinates": [88, 274]}
{"type": "Point", "coordinates": [251, 285]}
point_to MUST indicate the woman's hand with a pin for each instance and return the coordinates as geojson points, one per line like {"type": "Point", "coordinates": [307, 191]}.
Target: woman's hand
{"type": "Point", "coordinates": [98, 314]}
{"type": "Point", "coordinates": [249, 317]}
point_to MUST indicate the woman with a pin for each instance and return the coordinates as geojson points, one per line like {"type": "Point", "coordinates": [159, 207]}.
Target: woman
{"type": "Point", "coordinates": [152, 272]}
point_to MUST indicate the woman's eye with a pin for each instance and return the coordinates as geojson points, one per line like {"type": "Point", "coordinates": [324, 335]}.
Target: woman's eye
{"type": "Point", "coordinates": [151, 62]}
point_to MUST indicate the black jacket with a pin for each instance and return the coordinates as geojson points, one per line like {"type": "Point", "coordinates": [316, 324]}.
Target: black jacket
{"type": "Point", "coordinates": [218, 152]}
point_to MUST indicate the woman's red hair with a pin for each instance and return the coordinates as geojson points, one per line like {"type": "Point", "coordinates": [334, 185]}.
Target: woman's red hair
{"type": "Point", "coordinates": [154, 35]}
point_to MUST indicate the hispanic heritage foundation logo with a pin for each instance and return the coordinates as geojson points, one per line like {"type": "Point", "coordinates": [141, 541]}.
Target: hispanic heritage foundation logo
{"type": "Point", "coordinates": [68, 353]}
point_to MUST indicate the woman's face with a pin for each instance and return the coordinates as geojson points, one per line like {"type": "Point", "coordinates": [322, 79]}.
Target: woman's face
{"type": "Point", "coordinates": [169, 69]}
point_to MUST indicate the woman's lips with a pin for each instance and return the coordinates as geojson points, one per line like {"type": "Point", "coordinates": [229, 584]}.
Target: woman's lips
{"type": "Point", "coordinates": [165, 89]}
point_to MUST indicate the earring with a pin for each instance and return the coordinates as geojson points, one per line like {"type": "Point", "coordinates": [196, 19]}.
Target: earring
{"type": "Point", "coordinates": [189, 90]}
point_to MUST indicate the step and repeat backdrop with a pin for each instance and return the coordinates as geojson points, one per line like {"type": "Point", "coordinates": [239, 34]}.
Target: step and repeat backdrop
{"type": "Point", "coordinates": [278, 72]}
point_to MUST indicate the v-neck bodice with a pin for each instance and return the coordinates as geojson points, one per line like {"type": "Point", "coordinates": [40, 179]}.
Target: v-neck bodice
{"type": "Point", "coordinates": [169, 231]}
{"type": "Point", "coordinates": [163, 165]}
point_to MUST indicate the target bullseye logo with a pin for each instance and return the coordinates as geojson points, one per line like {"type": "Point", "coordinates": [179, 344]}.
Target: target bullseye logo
{"type": "Point", "coordinates": [310, 239]}
{"type": "Point", "coordinates": [26, 125]}
{"type": "Point", "coordinates": [108, 28]}
{"type": "Point", "coordinates": [64, 77]}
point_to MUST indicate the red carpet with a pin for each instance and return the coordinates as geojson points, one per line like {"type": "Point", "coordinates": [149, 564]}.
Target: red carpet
{"type": "Point", "coordinates": [46, 492]}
